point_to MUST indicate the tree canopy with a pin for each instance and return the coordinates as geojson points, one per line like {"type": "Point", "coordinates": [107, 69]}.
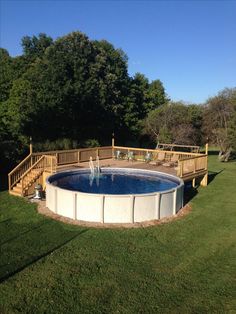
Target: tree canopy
{"type": "Point", "coordinates": [175, 122]}
{"type": "Point", "coordinates": [219, 121]}
{"type": "Point", "coordinates": [75, 91]}
{"type": "Point", "coordinates": [73, 88]}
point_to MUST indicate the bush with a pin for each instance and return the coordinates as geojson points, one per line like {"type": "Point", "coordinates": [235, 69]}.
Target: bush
{"type": "Point", "coordinates": [91, 142]}
{"type": "Point", "coordinates": [59, 144]}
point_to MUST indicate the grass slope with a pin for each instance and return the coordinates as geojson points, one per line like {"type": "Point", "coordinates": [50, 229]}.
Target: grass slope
{"type": "Point", "coordinates": [184, 266]}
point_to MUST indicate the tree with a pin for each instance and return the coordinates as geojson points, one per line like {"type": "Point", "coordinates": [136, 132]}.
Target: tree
{"type": "Point", "coordinates": [218, 121]}
{"type": "Point", "coordinates": [155, 96]}
{"type": "Point", "coordinates": [232, 130]}
{"type": "Point", "coordinates": [134, 108]}
{"type": "Point", "coordinates": [35, 46]}
{"type": "Point", "coordinates": [6, 74]}
{"type": "Point", "coordinates": [174, 122]}
{"type": "Point", "coordinates": [110, 71]}
{"type": "Point", "coordinates": [73, 89]}
{"type": "Point", "coordinates": [143, 97]}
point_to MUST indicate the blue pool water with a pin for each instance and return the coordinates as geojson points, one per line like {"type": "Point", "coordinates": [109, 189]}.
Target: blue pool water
{"type": "Point", "coordinates": [113, 183]}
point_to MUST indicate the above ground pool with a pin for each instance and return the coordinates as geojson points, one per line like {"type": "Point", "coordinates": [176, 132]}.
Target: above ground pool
{"type": "Point", "coordinates": [113, 182]}
{"type": "Point", "coordinates": [114, 195]}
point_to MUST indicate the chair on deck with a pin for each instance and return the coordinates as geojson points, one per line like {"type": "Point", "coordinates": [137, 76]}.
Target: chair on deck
{"type": "Point", "coordinates": [159, 159]}
{"type": "Point", "coordinates": [148, 157]}
{"type": "Point", "coordinates": [130, 156]}
{"type": "Point", "coordinates": [173, 162]}
{"type": "Point", "coordinates": [118, 154]}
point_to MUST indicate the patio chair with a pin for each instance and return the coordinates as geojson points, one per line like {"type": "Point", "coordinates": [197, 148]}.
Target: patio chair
{"type": "Point", "coordinates": [148, 157]}
{"type": "Point", "coordinates": [159, 159]}
{"type": "Point", "coordinates": [173, 162]}
{"type": "Point", "coordinates": [130, 156]}
{"type": "Point", "coordinates": [118, 154]}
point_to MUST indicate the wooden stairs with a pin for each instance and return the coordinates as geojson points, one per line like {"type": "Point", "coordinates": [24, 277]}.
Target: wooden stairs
{"type": "Point", "coordinates": [28, 172]}
{"type": "Point", "coordinates": [21, 188]}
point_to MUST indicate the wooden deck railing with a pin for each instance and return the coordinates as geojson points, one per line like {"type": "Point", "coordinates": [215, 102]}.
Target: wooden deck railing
{"type": "Point", "coordinates": [192, 165]}
{"type": "Point", "coordinates": [190, 148]}
{"type": "Point", "coordinates": [15, 175]}
{"type": "Point", "coordinates": [73, 156]}
{"type": "Point", "coordinates": [140, 153]}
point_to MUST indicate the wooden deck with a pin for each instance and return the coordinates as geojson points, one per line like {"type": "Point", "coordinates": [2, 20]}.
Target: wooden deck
{"type": "Point", "coordinates": [131, 164]}
{"type": "Point", "coordinates": [114, 163]}
{"type": "Point", "coordinates": [37, 166]}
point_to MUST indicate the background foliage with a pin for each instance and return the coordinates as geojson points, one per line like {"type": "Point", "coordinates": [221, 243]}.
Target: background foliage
{"type": "Point", "coordinates": [73, 92]}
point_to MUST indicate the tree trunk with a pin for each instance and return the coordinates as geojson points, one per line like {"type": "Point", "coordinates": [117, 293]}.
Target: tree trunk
{"type": "Point", "coordinates": [224, 155]}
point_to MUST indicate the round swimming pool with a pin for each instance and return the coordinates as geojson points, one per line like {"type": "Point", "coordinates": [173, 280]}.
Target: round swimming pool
{"type": "Point", "coordinates": [113, 182]}
{"type": "Point", "coordinates": [115, 195]}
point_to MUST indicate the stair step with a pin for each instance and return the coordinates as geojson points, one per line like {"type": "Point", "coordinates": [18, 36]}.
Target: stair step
{"type": "Point", "coordinates": [32, 174]}
{"type": "Point", "coordinates": [17, 189]}
{"type": "Point", "coordinates": [29, 179]}
{"type": "Point", "coordinates": [14, 193]}
{"type": "Point", "coordinates": [35, 171]}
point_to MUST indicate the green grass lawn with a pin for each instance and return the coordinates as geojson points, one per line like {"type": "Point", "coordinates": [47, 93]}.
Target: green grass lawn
{"type": "Point", "coordinates": [185, 266]}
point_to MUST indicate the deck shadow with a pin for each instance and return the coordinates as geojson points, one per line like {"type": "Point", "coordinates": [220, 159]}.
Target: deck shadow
{"type": "Point", "coordinates": [213, 174]}
{"type": "Point", "coordinates": [189, 192]}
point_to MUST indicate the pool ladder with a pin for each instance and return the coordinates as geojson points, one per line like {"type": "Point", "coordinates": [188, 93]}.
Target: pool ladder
{"type": "Point", "coordinates": [96, 169]}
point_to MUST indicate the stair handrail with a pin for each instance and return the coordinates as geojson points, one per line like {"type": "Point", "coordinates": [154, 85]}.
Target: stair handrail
{"type": "Point", "coordinates": [36, 163]}
{"type": "Point", "coordinates": [34, 166]}
{"type": "Point", "coordinates": [10, 174]}
{"type": "Point", "coordinates": [21, 163]}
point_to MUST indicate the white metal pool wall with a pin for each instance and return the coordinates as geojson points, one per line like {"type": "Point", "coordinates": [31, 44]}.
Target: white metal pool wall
{"type": "Point", "coordinates": [105, 208]}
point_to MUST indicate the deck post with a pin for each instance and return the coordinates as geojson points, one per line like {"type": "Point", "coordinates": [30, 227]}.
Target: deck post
{"type": "Point", "coordinates": [113, 145]}
{"type": "Point", "coordinates": [51, 165]}
{"type": "Point", "coordinates": [31, 146]}
{"type": "Point", "coordinates": [31, 151]}
{"type": "Point", "coordinates": [78, 158]}
{"type": "Point", "coordinates": [9, 182]}
{"type": "Point", "coordinates": [204, 181]}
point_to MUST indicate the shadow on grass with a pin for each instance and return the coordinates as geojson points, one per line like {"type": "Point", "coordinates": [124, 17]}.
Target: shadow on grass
{"type": "Point", "coordinates": [5, 221]}
{"type": "Point", "coordinates": [29, 247]}
{"type": "Point", "coordinates": [189, 192]}
{"type": "Point", "coordinates": [213, 152]}
{"type": "Point", "coordinates": [23, 233]}
{"type": "Point", "coordinates": [212, 175]}
{"type": "Point", "coordinates": [233, 157]}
